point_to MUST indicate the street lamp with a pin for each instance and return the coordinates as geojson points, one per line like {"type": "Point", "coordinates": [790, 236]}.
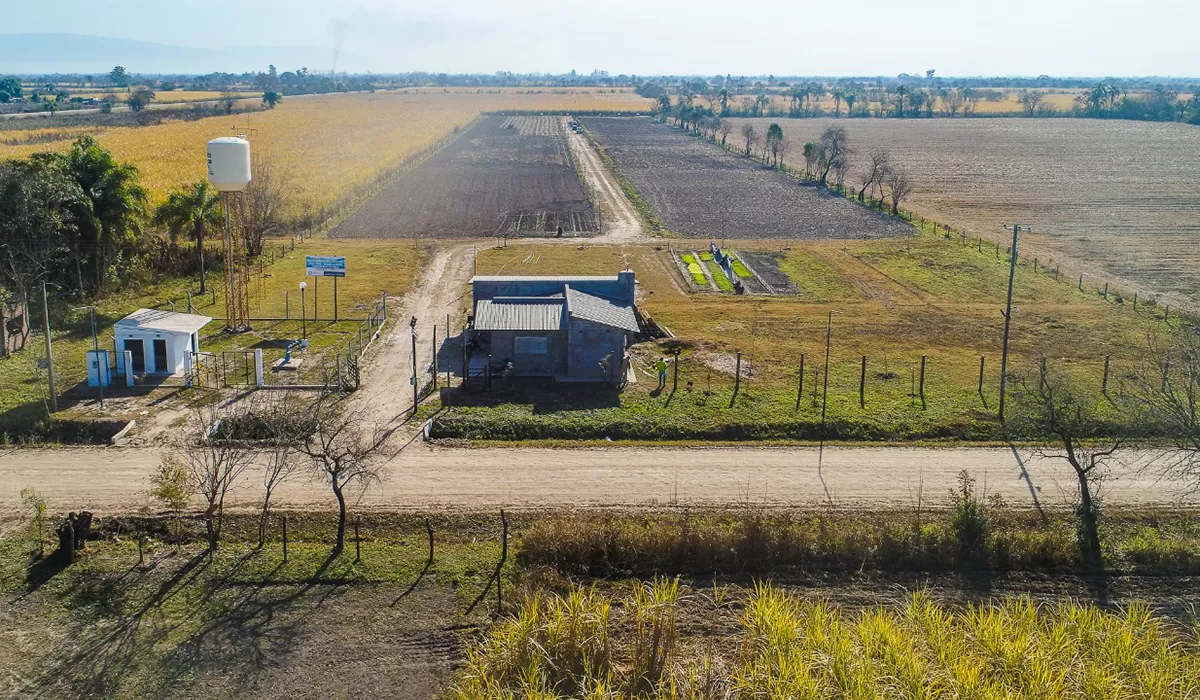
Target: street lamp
{"type": "Point", "coordinates": [303, 317]}
{"type": "Point", "coordinates": [95, 351]}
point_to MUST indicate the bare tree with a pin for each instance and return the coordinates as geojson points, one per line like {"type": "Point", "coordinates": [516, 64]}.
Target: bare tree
{"type": "Point", "coordinates": [264, 201]}
{"type": "Point", "coordinates": [341, 453]}
{"type": "Point", "coordinates": [952, 102]}
{"type": "Point", "coordinates": [899, 187]}
{"type": "Point", "coordinates": [812, 157]}
{"type": "Point", "coordinates": [279, 459]}
{"type": "Point", "coordinates": [749, 135]}
{"type": "Point", "coordinates": [878, 164]}
{"type": "Point", "coordinates": [214, 462]}
{"type": "Point", "coordinates": [1030, 99]}
{"type": "Point", "coordinates": [726, 128]}
{"type": "Point", "coordinates": [1052, 405]}
{"type": "Point", "coordinates": [782, 149]}
{"type": "Point", "coordinates": [1165, 390]}
{"type": "Point", "coordinates": [835, 147]}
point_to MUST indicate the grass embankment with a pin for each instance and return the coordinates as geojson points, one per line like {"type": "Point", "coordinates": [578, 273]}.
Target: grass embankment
{"type": "Point", "coordinates": [771, 643]}
{"type": "Point", "coordinates": [247, 621]}
{"type": "Point", "coordinates": [893, 301]}
{"type": "Point", "coordinates": [372, 268]}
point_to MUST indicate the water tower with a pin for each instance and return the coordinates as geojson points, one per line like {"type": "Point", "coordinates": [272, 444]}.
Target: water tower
{"type": "Point", "coordinates": [229, 172]}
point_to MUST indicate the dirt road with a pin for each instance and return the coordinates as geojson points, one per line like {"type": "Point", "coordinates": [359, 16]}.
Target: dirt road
{"type": "Point", "coordinates": [113, 479]}
{"type": "Point", "coordinates": [620, 220]}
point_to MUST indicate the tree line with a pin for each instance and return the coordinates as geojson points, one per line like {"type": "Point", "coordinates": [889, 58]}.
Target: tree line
{"type": "Point", "coordinates": [828, 162]}
{"type": "Point", "coordinates": [82, 220]}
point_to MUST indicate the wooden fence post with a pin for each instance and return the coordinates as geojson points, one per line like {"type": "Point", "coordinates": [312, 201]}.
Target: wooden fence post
{"type": "Point", "coordinates": [1106, 291]}
{"type": "Point", "coordinates": [922, 390]}
{"type": "Point", "coordinates": [285, 539]}
{"type": "Point", "coordinates": [1104, 382]}
{"type": "Point", "coordinates": [429, 529]}
{"type": "Point", "coordinates": [503, 558]}
{"type": "Point", "coordinates": [800, 389]}
{"type": "Point", "coordinates": [862, 384]}
{"type": "Point", "coordinates": [1135, 301]}
{"type": "Point", "coordinates": [1081, 283]}
{"type": "Point", "coordinates": [981, 375]}
{"type": "Point", "coordinates": [1042, 375]}
{"type": "Point", "coordinates": [435, 369]}
{"type": "Point", "coordinates": [737, 378]}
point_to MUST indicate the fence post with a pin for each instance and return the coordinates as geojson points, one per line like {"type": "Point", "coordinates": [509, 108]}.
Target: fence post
{"type": "Point", "coordinates": [1104, 382]}
{"type": "Point", "coordinates": [1135, 301]}
{"type": "Point", "coordinates": [922, 390]}
{"type": "Point", "coordinates": [435, 369]}
{"type": "Point", "coordinates": [1166, 370]}
{"type": "Point", "coordinates": [981, 375]}
{"type": "Point", "coordinates": [862, 384]}
{"type": "Point", "coordinates": [285, 539]}
{"type": "Point", "coordinates": [1106, 291]}
{"type": "Point", "coordinates": [675, 370]}
{"type": "Point", "coordinates": [1081, 283]}
{"type": "Point", "coordinates": [189, 298]}
{"type": "Point", "coordinates": [1042, 374]}
{"type": "Point", "coordinates": [737, 378]}
{"type": "Point", "coordinates": [800, 389]}
{"type": "Point", "coordinates": [287, 304]}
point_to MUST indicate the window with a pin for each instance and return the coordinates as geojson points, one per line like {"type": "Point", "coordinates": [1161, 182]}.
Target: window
{"type": "Point", "coordinates": [530, 345]}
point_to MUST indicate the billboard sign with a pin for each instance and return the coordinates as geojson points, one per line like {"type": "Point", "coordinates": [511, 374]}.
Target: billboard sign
{"type": "Point", "coordinates": [324, 266]}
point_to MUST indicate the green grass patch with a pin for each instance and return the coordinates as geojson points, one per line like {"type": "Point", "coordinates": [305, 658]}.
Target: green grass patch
{"type": "Point", "coordinates": [694, 269]}
{"type": "Point", "coordinates": [740, 269]}
{"type": "Point", "coordinates": [718, 275]}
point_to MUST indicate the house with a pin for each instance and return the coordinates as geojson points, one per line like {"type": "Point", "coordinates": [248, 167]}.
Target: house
{"type": "Point", "coordinates": [159, 341]}
{"type": "Point", "coordinates": [573, 329]}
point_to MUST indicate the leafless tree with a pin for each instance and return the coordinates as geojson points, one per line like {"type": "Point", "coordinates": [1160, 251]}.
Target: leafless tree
{"type": "Point", "coordinates": [835, 147]}
{"type": "Point", "coordinates": [1053, 405]}
{"type": "Point", "coordinates": [899, 187]}
{"type": "Point", "coordinates": [341, 452]}
{"type": "Point", "coordinates": [279, 459]}
{"type": "Point", "coordinates": [215, 460]}
{"type": "Point", "coordinates": [812, 158]}
{"type": "Point", "coordinates": [1030, 99]}
{"type": "Point", "coordinates": [1165, 390]}
{"type": "Point", "coordinates": [878, 165]}
{"type": "Point", "coordinates": [952, 102]}
{"type": "Point", "coordinates": [749, 135]}
{"type": "Point", "coordinates": [726, 128]}
{"type": "Point", "coordinates": [264, 201]}
{"type": "Point", "coordinates": [782, 149]}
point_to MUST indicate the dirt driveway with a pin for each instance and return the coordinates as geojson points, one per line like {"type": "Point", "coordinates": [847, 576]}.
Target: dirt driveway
{"type": "Point", "coordinates": [114, 479]}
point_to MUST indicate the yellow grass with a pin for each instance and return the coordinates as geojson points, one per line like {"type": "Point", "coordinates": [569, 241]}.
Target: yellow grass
{"type": "Point", "coordinates": [327, 144]}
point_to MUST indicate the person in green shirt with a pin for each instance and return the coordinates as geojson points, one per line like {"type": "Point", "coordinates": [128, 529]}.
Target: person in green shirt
{"type": "Point", "coordinates": [661, 366]}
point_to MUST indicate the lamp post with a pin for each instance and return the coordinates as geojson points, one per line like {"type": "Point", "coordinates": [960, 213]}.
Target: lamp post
{"type": "Point", "coordinates": [303, 315]}
{"type": "Point", "coordinates": [95, 350]}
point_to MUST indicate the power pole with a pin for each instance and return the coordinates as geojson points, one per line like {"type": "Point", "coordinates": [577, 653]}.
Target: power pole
{"type": "Point", "coordinates": [49, 349]}
{"type": "Point", "coordinates": [1016, 229]}
{"type": "Point", "coordinates": [413, 327]}
{"type": "Point", "coordinates": [825, 390]}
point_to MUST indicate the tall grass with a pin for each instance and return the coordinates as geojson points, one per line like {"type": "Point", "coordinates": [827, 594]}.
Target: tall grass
{"type": "Point", "coordinates": [786, 647]}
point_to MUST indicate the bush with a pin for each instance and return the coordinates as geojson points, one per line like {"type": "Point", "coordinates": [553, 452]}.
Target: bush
{"type": "Point", "coordinates": [971, 523]}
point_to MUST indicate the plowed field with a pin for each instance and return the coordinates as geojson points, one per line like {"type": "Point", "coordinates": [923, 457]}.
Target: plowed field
{"type": "Point", "coordinates": [1118, 200]}
{"type": "Point", "coordinates": [698, 190]}
{"type": "Point", "coordinates": [506, 175]}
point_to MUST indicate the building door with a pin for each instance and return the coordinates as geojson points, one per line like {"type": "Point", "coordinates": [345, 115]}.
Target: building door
{"type": "Point", "coordinates": [138, 350]}
{"type": "Point", "coordinates": [160, 356]}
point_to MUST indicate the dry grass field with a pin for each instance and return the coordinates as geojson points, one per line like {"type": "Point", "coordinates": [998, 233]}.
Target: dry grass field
{"type": "Point", "coordinates": [1113, 199]}
{"type": "Point", "coordinates": [327, 144]}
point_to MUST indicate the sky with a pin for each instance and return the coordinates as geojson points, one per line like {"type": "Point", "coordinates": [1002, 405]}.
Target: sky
{"type": "Point", "coordinates": [645, 37]}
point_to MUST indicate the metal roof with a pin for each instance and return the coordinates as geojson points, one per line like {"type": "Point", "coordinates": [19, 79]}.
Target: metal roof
{"type": "Point", "coordinates": [165, 321]}
{"type": "Point", "coordinates": [519, 314]}
{"type": "Point", "coordinates": [602, 311]}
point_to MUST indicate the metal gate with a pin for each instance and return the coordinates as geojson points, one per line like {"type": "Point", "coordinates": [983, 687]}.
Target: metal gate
{"type": "Point", "coordinates": [203, 371]}
{"type": "Point", "coordinates": [237, 368]}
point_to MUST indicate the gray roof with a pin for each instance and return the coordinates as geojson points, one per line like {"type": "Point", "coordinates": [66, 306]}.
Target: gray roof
{"type": "Point", "coordinates": [166, 321]}
{"type": "Point", "coordinates": [544, 278]}
{"type": "Point", "coordinates": [519, 314]}
{"type": "Point", "coordinates": [602, 311]}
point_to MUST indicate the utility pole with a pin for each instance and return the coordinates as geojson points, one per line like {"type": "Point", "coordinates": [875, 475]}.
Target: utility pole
{"type": "Point", "coordinates": [1016, 229]}
{"type": "Point", "coordinates": [49, 349]}
{"type": "Point", "coordinates": [412, 325]}
{"type": "Point", "coordinates": [825, 390]}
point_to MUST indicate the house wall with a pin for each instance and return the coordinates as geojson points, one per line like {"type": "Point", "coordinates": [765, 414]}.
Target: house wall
{"type": "Point", "coordinates": [589, 344]}
{"type": "Point", "coordinates": [505, 346]}
{"type": "Point", "coordinates": [178, 346]}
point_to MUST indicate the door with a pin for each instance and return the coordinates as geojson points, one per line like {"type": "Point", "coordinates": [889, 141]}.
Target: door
{"type": "Point", "coordinates": [160, 356]}
{"type": "Point", "coordinates": [138, 350]}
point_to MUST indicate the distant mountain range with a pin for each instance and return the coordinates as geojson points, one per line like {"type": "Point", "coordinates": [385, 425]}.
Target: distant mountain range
{"type": "Point", "coordinates": [80, 53]}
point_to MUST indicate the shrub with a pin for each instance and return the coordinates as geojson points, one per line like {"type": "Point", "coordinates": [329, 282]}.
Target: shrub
{"type": "Point", "coordinates": [970, 522]}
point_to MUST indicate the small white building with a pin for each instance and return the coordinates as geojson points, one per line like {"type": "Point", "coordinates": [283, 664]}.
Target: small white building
{"type": "Point", "coordinates": [158, 340]}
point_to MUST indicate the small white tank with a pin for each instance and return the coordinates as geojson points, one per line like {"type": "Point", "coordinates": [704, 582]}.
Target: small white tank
{"type": "Point", "coordinates": [229, 163]}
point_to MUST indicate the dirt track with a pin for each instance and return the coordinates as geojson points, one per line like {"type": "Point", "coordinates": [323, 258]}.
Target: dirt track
{"type": "Point", "coordinates": [621, 222]}
{"type": "Point", "coordinates": [430, 477]}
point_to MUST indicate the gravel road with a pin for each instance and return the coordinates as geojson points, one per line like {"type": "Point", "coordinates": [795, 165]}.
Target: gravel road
{"type": "Point", "coordinates": [114, 479]}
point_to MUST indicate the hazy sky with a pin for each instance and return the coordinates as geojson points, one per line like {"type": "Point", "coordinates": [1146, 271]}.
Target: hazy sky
{"type": "Point", "coordinates": [852, 37]}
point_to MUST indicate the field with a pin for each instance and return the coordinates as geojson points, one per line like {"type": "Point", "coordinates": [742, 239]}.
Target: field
{"type": "Point", "coordinates": [331, 145]}
{"type": "Point", "coordinates": [894, 301]}
{"type": "Point", "coordinates": [697, 190]}
{"type": "Point", "coordinates": [1112, 199]}
{"type": "Point", "coordinates": [867, 597]}
{"type": "Point", "coordinates": [506, 175]}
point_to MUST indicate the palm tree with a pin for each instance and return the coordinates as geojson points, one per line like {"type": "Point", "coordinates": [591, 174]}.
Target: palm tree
{"type": "Point", "coordinates": [195, 208]}
{"type": "Point", "coordinates": [117, 203]}
{"type": "Point", "coordinates": [271, 98]}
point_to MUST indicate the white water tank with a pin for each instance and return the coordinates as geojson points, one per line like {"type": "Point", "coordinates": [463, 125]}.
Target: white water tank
{"type": "Point", "coordinates": [229, 163]}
